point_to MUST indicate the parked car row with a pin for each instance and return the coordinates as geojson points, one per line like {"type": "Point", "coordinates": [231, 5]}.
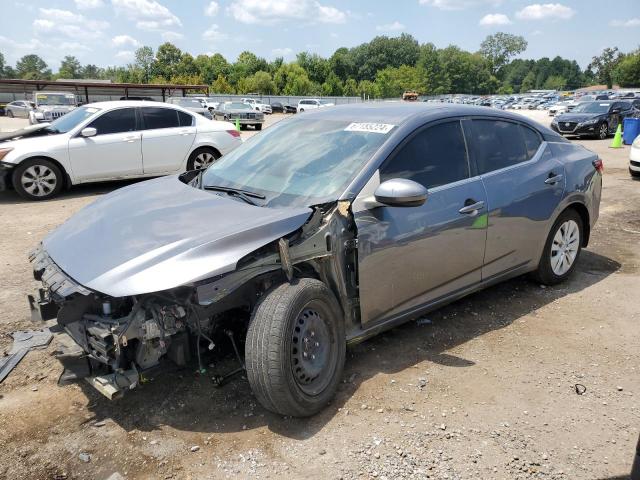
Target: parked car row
{"type": "Point", "coordinates": [597, 119]}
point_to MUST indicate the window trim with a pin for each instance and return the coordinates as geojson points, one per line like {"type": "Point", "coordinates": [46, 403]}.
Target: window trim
{"type": "Point", "coordinates": [536, 156]}
{"type": "Point", "coordinates": [104, 112]}
{"type": "Point", "coordinates": [419, 130]}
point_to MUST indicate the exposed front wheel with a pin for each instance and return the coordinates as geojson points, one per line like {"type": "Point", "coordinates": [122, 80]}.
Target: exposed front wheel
{"type": "Point", "coordinates": [258, 126]}
{"type": "Point", "coordinates": [562, 249]}
{"type": "Point", "coordinates": [37, 179]}
{"type": "Point", "coordinates": [295, 348]}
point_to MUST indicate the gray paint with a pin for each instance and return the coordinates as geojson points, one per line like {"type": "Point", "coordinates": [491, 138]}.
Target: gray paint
{"type": "Point", "coordinates": [161, 234]}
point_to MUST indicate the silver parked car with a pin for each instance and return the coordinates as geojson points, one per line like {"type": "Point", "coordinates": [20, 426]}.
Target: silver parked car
{"type": "Point", "coordinates": [379, 214]}
{"type": "Point", "coordinates": [19, 109]}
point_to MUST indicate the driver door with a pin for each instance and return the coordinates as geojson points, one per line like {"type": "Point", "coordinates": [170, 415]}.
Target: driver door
{"type": "Point", "coordinates": [412, 256]}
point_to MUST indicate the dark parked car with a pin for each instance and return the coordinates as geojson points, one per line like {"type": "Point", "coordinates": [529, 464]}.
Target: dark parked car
{"type": "Point", "coordinates": [379, 214]}
{"type": "Point", "coordinates": [290, 108]}
{"type": "Point", "coordinates": [244, 113]}
{"type": "Point", "coordinates": [277, 107]}
{"type": "Point", "coordinates": [596, 119]}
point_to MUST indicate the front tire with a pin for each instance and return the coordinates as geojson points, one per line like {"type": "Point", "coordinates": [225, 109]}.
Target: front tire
{"type": "Point", "coordinates": [634, 174]}
{"type": "Point", "coordinates": [295, 348]}
{"type": "Point", "coordinates": [37, 179]}
{"type": "Point", "coordinates": [561, 250]}
{"type": "Point", "coordinates": [258, 126]}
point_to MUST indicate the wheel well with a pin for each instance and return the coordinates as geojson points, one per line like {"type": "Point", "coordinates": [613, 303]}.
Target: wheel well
{"type": "Point", "coordinates": [584, 216]}
{"type": "Point", "coordinates": [206, 147]}
{"type": "Point", "coordinates": [67, 178]}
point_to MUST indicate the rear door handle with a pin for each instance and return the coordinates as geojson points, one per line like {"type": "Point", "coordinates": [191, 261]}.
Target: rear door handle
{"type": "Point", "coordinates": [186, 132]}
{"type": "Point", "coordinates": [473, 208]}
{"type": "Point", "coordinates": [552, 180]}
{"type": "Point", "coordinates": [131, 138]}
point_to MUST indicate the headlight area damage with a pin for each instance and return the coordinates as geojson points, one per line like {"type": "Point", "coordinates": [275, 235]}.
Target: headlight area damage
{"type": "Point", "coordinates": [121, 338]}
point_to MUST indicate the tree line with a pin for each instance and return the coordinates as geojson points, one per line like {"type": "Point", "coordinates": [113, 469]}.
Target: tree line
{"type": "Point", "coordinates": [385, 67]}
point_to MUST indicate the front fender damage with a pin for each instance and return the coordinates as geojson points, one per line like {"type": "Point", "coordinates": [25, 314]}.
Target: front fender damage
{"type": "Point", "coordinates": [122, 339]}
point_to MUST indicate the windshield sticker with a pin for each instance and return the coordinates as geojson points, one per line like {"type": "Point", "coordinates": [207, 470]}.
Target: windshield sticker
{"type": "Point", "coordinates": [92, 110]}
{"type": "Point", "coordinates": [605, 104]}
{"type": "Point", "coordinates": [382, 128]}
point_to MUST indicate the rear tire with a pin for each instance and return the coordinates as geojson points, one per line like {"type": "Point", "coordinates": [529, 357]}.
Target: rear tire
{"type": "Point", "coordinates": [295, 348]}
{"type": "Point", "coordinates": [561, 250]}
{"type": "Point", "coordinates": [603, 131]}
{"type": "Point", "coordinates": [201, 158]}
{"type": "Point", "coordinates": [37, 179]}
{"type": "Point", "coordinates": [258, 126]}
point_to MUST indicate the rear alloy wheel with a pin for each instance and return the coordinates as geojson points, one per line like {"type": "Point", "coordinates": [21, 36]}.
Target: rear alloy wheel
{"type": "Point", "coordinates": [37, 179]}
{"type": "Point", "coordinates": [202, 158]}
{"type": "Point", "coordinates": [603, 131]}
{"type": "Point", "coordinates": [562, 249]}
{"type": "Point", "coordinates": [295, 348]}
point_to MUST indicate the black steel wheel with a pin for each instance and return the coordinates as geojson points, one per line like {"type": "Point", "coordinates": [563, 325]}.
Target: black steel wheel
{"type": "Point", "coordinates": [295, 348]}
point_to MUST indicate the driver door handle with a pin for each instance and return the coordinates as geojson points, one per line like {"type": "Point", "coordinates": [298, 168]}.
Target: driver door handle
{"type": "Point", "coordinates": [186, 132]}
{"type": "Point", "coordinates": [553, 179]}
{"type": "Point", "coordinates": [472, 208]}
{"type": "Point", "coordinates": [131, 138]}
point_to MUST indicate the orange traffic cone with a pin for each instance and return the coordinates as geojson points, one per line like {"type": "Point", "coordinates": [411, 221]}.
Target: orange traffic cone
{"type": "Point", "coordinates": [617, 139]}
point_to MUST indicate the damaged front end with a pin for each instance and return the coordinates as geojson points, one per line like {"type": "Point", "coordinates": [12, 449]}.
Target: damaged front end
{"type": "Point", "coordinates": [117, 340]}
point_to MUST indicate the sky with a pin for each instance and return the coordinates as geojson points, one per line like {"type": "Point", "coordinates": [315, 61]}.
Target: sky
{"type": "Point", "coordinates": [107, 32]}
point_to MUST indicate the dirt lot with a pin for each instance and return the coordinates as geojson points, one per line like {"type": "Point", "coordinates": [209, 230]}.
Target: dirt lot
{"type": "Point", "coordinates": [483, 389]}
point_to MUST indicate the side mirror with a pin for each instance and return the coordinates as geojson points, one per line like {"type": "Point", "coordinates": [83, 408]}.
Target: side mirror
{"type": "Point", "coordinates": [88, 132]}
{"type": "Point", "coordinates": [615, 110]}
{"type": "Point", "coordinates": [400, 192]}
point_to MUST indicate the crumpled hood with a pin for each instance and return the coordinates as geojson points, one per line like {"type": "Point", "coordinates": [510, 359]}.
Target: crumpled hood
{"type": "Point", "coordinates": [161, 234]}
{"type": "Point", "coordinates": [577, 117]}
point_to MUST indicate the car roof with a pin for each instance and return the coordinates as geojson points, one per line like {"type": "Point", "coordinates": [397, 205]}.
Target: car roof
{"type": "Point", "coordinates": [399, 113]}
{"type": "Point", "coordinates": [129, 103]}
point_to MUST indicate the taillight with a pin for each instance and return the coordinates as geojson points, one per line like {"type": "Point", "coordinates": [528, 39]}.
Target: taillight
{"type": "Point", "coordinates": [599, 166]}
{"type": "Point", "coordinates": [234, 133]}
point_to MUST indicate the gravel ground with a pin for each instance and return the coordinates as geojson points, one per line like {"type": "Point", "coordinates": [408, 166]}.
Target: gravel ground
{"type": "Point", "coordinates": [481, 389]}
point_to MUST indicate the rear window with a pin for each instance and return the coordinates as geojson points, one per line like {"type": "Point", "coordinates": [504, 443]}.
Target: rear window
{"type": "Point", "coordinates": [157, 117]}
{"type": "Point", "coordinates": [498, 144]}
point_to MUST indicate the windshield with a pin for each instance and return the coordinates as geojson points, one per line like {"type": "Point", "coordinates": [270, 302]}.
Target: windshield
{"type": "Point", "coordinates": [592, 107]}
{"type": "Point", "coordinates": [237, 106]}
{"type": "Point", "coordinates": [190, 102]}
{"type": "Point", "coordinates": [55, 99]}
{"type": "Point", "coordinates": [325, 158]}
{"type": "Point", "coordinates": [71, 119]}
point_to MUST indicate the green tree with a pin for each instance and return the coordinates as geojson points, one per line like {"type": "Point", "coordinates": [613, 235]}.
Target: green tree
{"type": "Point", "coordinates": [627, 72]}
{"type": "Point", "coordinates": [260, 82]}
{"type": "Point", "coordinates": [187, 66]}
{"type": "Point", "coordinates": [382, 52]}
{"type": "Point", "coordinates": [317, 68]}
{"type": "Point", "coordinates": [604, 64]}
{"type": "Point", "coordinates": [222, 85]}
{"type": "Point", "coordinates": [246, 65]}
{"type": "Point", "coordinates": [528, 83]}
{"type": "Point", "coordinates": [32, 67]}
{"type": "Point", "coordinates": [144, 61]}
{"type": "Point", "coordinates": [92, 72]}
{"type": "Point", "coordinates": [500, 47]}
{"type": "Point", "coordinates": [368, 89]}
{"type": "Point", "coordinates": [350, 88]}
{"type": "Point", "coordinates": [167, 59]}
{"type": "Point", "coordinates": [210, 67]}
{"type": "Point", "coordinates": [292, 79]}
{"type": "Point", "coordinates": [391, 82]}
{"type": "Point", "coordinates": [70, 67]}
{"type": "Point", "coordinates": [2, 65]}
{"type": "Point", "coordinates": [555, 82]}
{"type": "Point", "coordinates": [342, 64]}
{"type": "Point", "coordinates": [333, 86]}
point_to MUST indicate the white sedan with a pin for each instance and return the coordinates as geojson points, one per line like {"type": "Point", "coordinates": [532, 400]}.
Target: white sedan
{"type": "Point", "coordinates": [110, 141]}
{"type": "Point", "coordinates": [634, 158]}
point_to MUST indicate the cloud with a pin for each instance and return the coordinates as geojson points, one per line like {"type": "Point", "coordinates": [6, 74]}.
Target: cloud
{"type": "Point", "coordinates": [52, 21]}
{"type": "Point", "coordinates": [458, 4]}
{"type": "Point", "coordinates": [125, 55]}
{"type": "Point", "coordinates": [539, 11]}
{"type": "Point", "coordinates": [492, 19]}
{"type": "Point", "coordinates": [391, 27]}
{"type": "Point", "coordinates": [213, 34]}
{"type": "Point", "coordinates": [632, 22]}
{"type": "Point", "coordinates": [282, 52]}
{"type": "Point", "coordinates": [276, 11]}
{"type": "Point", "coordinates": [122, 40]}
{"type": "Point", "coordinates": [170, 36]}
{"type": "Point", "coordinates": [88, 4]}
{"type": "Point", "coordinates": [52, 52]}
{"type": "Point", "coordinates": [148, 14]}
{"type": "Point", "coordinates": [211, 10]}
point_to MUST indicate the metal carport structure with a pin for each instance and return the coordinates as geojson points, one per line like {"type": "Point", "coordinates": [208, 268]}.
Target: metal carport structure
{"type": "Point", "coordinates": [96, 88]}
